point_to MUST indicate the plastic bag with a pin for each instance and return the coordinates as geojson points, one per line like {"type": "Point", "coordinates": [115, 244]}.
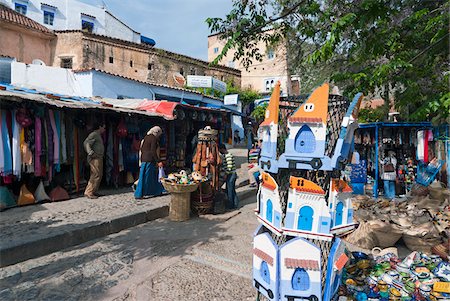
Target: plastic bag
{"type": "Point", "coordinates": [161, 174]}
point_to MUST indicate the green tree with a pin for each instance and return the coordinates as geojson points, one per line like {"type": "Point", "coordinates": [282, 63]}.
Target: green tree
{"type": "Point", "coordinates": [259, 112]}
{"type": "Point", "coordinates": [398, 48]}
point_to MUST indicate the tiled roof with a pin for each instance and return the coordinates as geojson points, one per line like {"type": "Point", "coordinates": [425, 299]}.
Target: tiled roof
{"type": "Point", "coordinates": [263, 255]}
{"type": "Point", "coordinates": [9, 15]}
{"type": "Point", "coordinates": [301, 263]}
{"type": "Point", "coordinates": [305, 120]}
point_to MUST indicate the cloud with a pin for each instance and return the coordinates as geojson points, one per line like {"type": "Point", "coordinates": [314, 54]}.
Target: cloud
{"type": "Point", "coordinates": [175, 25]}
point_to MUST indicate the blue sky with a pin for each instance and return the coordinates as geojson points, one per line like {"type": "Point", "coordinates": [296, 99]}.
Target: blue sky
{"type": "Point", "coordinates": [175, 25]}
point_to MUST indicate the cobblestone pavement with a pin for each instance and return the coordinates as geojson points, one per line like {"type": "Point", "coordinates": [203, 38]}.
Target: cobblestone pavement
{"type": "Point", "coordinates": [207, 258]}
{"type": "Point", "coordinates": [23, 224]}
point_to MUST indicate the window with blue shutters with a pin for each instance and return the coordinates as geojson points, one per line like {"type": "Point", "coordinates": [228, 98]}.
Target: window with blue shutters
{"type": "Point", "coordinates": [87, 26]}
{"type": "Point", "coordinates": [49, 17]}
{"type": "Point", "coordinates": [300, 280]}
{"type": "Point", "coordinates": [20, 8]}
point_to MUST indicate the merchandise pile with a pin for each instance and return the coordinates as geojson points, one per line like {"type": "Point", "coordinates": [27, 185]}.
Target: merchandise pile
{"type": "Point", "coordinates": [421, 221]}
{"type": "Point", "coordinates": [385, 277]}
{"type": "Point", "coordinates": [183, 178]}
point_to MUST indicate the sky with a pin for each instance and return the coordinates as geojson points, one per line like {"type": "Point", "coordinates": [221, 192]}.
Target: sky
{"type": "Point", "coordinates": [175, 25]}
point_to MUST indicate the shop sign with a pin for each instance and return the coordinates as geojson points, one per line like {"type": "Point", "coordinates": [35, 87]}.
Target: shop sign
{"type": "Point", "coordinates": [231, 99]}
{"type": "Point", "coordinates": [219, 85]}
{"type": "Point", "coordinates": [198, 81]}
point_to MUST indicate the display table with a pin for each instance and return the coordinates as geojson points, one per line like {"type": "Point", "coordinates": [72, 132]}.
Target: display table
{"type": "Point", "coordinates": [180, 203]}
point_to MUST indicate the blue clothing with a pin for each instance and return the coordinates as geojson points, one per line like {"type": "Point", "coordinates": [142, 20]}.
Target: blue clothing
{"type": "Point", "coordinates": [233, 200]}
{"type": "Point", "coordinates": [148, 181]}
{"type": "Point", "coordinates": [389, 189]}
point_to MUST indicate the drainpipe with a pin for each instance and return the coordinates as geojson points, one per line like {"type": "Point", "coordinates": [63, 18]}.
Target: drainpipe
{"type": "Point", "coordinates": [152, 93]}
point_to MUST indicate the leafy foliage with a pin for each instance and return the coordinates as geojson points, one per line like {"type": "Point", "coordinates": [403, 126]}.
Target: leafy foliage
{"type": "Point", "coordinates": [399, 48]}
{"type": "Point", "coordinates": [259, 112]}
{"type": "Point", "coordinates": [246, 96]}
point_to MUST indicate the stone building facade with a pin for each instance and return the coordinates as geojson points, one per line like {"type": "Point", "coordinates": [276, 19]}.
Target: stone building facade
{"type": "Point", "coordinates": [260, 76]}
{"type": "Point", "coordinates": [25, 39]}
{"type": "Point", "coordinates": [137, 61]}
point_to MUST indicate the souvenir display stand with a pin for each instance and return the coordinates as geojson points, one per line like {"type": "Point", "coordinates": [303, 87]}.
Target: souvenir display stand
{"type": "Point", "coordinates": [206, 161]}
{"type": "Point", "coordinates": [302, 203]}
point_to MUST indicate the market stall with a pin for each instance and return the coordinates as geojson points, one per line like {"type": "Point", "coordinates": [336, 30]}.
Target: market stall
{"type": "Point", "coordinates": [411, 143]}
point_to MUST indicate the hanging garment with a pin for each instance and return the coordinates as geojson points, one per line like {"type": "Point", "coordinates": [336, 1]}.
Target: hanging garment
{"type": "Point", "coordinates": [63, 139]}
{"type": "Point", "coordinates": [17, 164]}
{"type": "Point", "coordinates": [120, 159]}
{"type": "Point", "coordinates": [54, 121]}
{"type": "Point", "coordinates": [37, 147]}
{"type": "Point", "coordinates": [2, 154]}
{"type": "Point", "coordinates": [40, 195]}
{"type": "Point", "coordinates": [421, 145]}
{"type": "Point", "coordinates": [76, 160]}
{"type": "Point", "coordinates": [109, 157]}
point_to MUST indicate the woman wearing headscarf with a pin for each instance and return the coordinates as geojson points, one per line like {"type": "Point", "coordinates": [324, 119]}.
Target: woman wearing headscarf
{"type": "Point", "coordinates": [149, 184]}
{"type": "Point", "coordinates": [389, 165]}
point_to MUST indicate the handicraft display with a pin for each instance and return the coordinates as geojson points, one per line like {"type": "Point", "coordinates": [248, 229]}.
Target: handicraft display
{"type": "Point", "coordinates": [302, 202]}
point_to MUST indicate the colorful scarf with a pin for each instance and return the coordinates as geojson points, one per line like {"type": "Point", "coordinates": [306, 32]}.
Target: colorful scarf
{"type": "Point", "coordinates": [5, 153]}
{"type": "Point", "coordinates": [37, 146]}
{"type": "Point", "coordinates": [53, 117]}
{"type": "Point", "coordinates": [17, 163]}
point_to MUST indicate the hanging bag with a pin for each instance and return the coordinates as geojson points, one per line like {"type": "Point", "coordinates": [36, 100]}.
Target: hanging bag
{"type": "Point", "coordinates": [389, 167]}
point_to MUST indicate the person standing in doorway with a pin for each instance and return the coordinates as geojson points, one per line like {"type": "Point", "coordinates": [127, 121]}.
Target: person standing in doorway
{"type": "Point", "coordinates": [93, 145]}
{"type": "Point", "coordinates": [389, 174]}
{"type": "Point", "coordinates": [149, 184]}
{"type": "Point", "coordinates": [230, 169]}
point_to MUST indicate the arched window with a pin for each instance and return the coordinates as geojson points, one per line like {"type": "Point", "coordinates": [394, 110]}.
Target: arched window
{"type": "Point", "coordinates": [305, 218]}
{"type": "Point", "coordinates": [264, 272]}
{"type": "Point", "coordinates": [300, 280]}
{"type": "Point", "coordinates": [305, 141]}
{"type": "Point", "coordinates": [269, 211]}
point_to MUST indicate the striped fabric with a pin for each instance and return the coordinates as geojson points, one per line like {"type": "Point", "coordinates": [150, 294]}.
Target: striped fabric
{"type": "Point", "coordinates": [253, 156]}
{"type": "Point", "coordinates": [230, 164]}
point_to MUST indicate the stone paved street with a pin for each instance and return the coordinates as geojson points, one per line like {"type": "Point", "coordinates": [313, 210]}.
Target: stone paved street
{"type": "Point", "coordinates": [207, 258]}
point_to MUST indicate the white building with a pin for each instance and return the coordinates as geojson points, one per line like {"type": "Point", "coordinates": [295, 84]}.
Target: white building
{"type": "Point", "coordinates": [92, 16]}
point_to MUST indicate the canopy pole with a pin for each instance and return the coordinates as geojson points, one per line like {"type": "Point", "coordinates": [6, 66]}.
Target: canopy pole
{"type": "Point", "coordinates": [375, 187]}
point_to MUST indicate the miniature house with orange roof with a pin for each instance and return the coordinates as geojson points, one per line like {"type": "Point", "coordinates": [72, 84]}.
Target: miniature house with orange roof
{"type": "Point", "coordinates": [341, 208]}
{"type": "Point", "coordinates": [307, 132]}
{"type": "Point", "coordinates": [307, 214]}
{"type": "Point", "coordinates": [268, 158]}
{"type": "Point", "coordinates": [268, 204]}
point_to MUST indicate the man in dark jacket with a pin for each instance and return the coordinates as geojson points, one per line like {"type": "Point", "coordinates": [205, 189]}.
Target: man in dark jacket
{"type": "Point", "coordinates": [95, 149]}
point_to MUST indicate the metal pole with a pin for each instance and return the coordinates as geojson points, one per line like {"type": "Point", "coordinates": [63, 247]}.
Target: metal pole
{"type": "Point", "coordinates": [375, 187]}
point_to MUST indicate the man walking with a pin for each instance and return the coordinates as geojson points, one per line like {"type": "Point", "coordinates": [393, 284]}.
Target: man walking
{"type": "Point", "coordinates": [93, 145]}
{"type": "Point", "coordinates": [230, 169]}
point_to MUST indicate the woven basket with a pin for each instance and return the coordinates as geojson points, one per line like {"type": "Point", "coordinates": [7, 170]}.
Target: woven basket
{"type": "Point", "coordinates": [202, 208]}
{"type": "Point", "coordinates": [179, 188]}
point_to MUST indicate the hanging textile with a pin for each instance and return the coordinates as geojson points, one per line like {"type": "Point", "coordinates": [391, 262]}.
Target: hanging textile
{"type": "Point", "coordinates": [50, 146]}
{"type": "Point", "coordinates": [109, 156]}
{"type": "Point", "coordinates": [17, 164]}
{"type": "Point", "coordinates": [63, 139]}
{"type": "Point", "coordinates": [120, 159]}
{"type": "Point", "coordinates": [5, 147]}
{"type": "Point", "coordinates": [420, 145]}
{"type": "Point", "coordinates": [76, 160]}
{"type": "Point", "coordinates": [55, 122]}
{"type": "Point", "coordinates": [37, 146]}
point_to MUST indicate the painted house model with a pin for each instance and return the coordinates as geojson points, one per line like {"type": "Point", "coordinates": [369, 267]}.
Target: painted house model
{"type": "Point", "coordinates": [336, 262]}
{"type": "Point", "coordinates": [307, 214]}
{"type": "Point", "coordinates": [265, 264]}
{"type": "Point", "coordinates": [305, 146]}
{"type": "Point", "coordinates": [300, 271]}
{"type": "Point", "coordinates": [268, 204]}
{"type": "Point", "coordinates": [341, 208]}
{"type": "Point", "coordinates": [268, 160]}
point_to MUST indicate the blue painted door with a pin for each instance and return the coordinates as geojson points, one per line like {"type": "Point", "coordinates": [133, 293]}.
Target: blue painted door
{"type": "Point", "coordinates": [265, 274]}
{"type": "Point", "coordinates": [305, 142]}
{"type": "Point", "coordinates": [269, 210]}
{"type": "Point", "coordinates": [300, 280]}
{"type": "Point", "coordinates": [350, 216]}
{"type": "Point", "coordinates": [339, 212]}
{"type": "Point", "coordinates": [305, 218]}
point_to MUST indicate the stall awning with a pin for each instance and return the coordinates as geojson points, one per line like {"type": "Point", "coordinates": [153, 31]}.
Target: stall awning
{"type": "Point", "coordinates": [164, 108]}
